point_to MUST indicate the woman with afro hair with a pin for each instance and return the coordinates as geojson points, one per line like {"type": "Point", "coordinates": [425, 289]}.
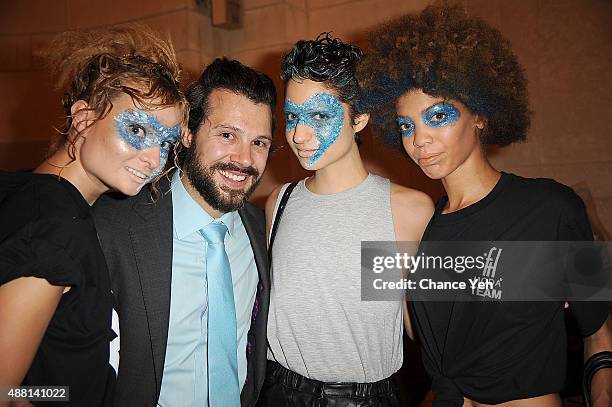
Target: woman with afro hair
{"type": "Point", "coordinates": [443, 86]}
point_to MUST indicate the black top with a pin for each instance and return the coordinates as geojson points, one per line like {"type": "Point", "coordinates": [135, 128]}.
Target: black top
{"type": "Point", "coordinates": [493, 352]}
{"type": "Point", "coordinates": [48, 232]}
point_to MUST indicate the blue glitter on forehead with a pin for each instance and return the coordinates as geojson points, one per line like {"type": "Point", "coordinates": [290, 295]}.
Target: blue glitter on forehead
{"type": "Point", "coordinates": [407, 123]}
{"type": "Point", "coordinates": [449, 115]}
{"type": "Point", "coordinates": [323, 113]}
{"type": "Point", "coordinates": [142, 130]}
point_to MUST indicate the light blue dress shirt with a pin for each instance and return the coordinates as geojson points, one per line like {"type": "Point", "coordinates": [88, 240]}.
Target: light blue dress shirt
{"type": "Point", "coordinates": [185, 377]}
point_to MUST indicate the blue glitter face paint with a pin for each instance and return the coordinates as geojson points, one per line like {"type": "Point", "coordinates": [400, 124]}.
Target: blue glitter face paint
{"type": "Point", "coordinates": [406, 126]}
{"type": "Point", "coordinates": [440, 115]}
{"type": "Point", "coordinates": [323, 113]}
{"type": "Point", "coordinates": [142, 130]}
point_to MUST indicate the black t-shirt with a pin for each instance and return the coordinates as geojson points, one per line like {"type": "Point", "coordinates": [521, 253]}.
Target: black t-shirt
{"type": "Point", "coordinates": [48, 232]}
{"type": "Point", "coordinates": [493, 352]}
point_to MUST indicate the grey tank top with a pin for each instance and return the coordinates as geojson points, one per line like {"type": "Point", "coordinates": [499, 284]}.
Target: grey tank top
{"type": "Point", "coordinates": [318, 326]}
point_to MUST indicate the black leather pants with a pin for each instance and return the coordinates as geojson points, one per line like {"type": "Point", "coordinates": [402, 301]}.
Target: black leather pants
{"type": "Point", "coordinates": [284, 388]}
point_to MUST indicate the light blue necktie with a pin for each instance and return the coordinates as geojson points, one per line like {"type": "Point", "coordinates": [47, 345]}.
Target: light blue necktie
{"type": "Point", "coordinates": [223, 388]}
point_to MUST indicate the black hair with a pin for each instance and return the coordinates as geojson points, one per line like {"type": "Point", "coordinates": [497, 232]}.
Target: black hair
{"type": "Point", "coordinates": [330, 61]}
{"type": "Point", "coordinates": [445, 52]}
{"type": "Point", "coordinates": [229, 75]}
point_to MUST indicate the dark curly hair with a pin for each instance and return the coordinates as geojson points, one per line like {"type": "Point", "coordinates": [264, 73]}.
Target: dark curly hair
{"type": "Point", "coordinates": [445, 53]}
{"type": "Point", "coordinates": [329, 60]}
{"type": "Point", "coordinates": [233, 76]}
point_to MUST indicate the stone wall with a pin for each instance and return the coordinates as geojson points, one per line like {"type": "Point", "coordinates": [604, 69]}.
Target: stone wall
{"type": "Point", "coordinates": [565, 46]}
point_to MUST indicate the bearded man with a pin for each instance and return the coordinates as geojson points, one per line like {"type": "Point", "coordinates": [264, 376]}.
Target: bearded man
{"type": "Point", "coordinates": [188, 259]}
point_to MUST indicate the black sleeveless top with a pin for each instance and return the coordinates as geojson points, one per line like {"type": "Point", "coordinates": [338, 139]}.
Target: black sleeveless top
{"type": "Point", "coordinates": [48, 232]}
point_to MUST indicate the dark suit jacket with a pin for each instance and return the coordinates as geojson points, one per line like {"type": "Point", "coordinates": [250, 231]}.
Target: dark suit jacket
{"type": "Point", "coordinates": [136, 236]}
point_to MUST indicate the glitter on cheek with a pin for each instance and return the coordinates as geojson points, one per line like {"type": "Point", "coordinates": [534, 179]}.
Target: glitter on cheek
{"type": "Point", "coordinates": [296, 114]}
{"type": "Point", "coordinates": [170, 139]}
{"type": "Point", "coordinates": [406, 126]}
{"type": "Point", "coordinates": [293, 110]}
{"type": "Point", "coordinates": [150, 133]}
{"type": "Point", "coordinates": [449, 114]}
{"type": "Point", "coordinates": [323, 113]}
{"type": "Point", "coordinates": [163, 158]}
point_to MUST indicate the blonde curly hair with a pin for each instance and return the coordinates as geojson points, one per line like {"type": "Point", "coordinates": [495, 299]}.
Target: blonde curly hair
{"type": "Point", "coordinates": [98, 65]}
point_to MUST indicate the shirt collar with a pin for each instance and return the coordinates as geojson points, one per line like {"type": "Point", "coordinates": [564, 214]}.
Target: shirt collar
{"type": "Point", "coordinates": [189, 216]}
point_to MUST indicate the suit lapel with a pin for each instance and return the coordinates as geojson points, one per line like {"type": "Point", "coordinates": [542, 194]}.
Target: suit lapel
{"type": "Point", "coordinates": [151, 237]}
{"type": "Point", "coordinates": [254, 225]}
{"type": "Point", "coordinates": [258, 244]}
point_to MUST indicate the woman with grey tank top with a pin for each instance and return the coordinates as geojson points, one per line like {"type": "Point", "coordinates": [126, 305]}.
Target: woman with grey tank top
{"type": "Point", "coordinates": [323, 339]}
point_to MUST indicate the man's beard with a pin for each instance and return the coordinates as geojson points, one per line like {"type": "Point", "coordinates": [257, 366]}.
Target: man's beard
{"type": "Point", "coordinates": [222, 199]}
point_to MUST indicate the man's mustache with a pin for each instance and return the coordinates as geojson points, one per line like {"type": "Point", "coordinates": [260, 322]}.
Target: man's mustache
{"type": "Point", "coordinates": [233, 167]}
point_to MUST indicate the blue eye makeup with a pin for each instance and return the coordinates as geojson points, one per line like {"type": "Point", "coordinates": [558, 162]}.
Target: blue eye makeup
{"type": "Point", "coordinates": [440, 115]}
{"type": "Point", "coordinates": [406, 126]}
{"type": "Point", "coordinates": [142, 130]}
{"type": "Point", "coordinates": [323, 113]}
